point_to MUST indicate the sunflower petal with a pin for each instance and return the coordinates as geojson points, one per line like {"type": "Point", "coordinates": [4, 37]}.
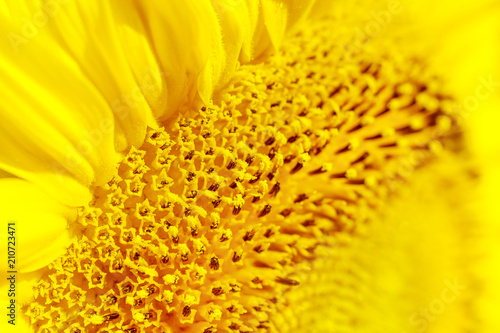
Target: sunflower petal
{"type": "Point", "coordinates": [101, 38]}
{"type": "Point", "coordinates": [275, 17]}
{"type": "Point", "coordinates": [49, 148]}
{"type": "Point", "coordinates": [186, 40]}
{"type": "Point", "coordinates": [278, 17]}
{"type": "Point", "coordinates": [38, 225]}
{"type": "Point", "coordinates": [68, 124]}
{"type": "Point", "coordinates": [238, 21]}
{"type": "Point", "coordinates": [467, 47]}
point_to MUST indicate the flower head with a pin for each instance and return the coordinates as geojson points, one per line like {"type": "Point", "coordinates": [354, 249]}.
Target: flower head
{"type": "Point", "coordinates": [256, 181]}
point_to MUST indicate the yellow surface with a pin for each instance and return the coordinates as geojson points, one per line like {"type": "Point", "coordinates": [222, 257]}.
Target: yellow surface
{"type": "Point", "coordinates": [83, 82]}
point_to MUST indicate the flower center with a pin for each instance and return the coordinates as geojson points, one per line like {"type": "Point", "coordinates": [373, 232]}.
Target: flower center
{"type": "Point", "coordinates": [210, 223]}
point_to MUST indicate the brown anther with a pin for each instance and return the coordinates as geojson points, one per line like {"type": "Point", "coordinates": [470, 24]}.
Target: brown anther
{"type": "Point", "coordinates": [338, 175]}
{"type": "Point", "coordinates": [256, 280]}
{"type": "Point", "coordinates": [297, 168]}
{"type": "Point", "coordinates": [112, 300]}
{"type": "Point", "coordinates": [235, 326]}
{"type": "Point", "coordinates": [249, 235]}
{"type": "Point", "coordinates": [234, 288]}
{"type": "Point", "coordinates": [217, 291]}
{"type": "Point", "coordinates": [189, 156]}
{"type": "Point", "coordinates": [117, 265]}
{"type": "Point", "coordinates": [293, 138]}
{"type": "Point", "coordinates": [111, 316]}
{"type": "Point", "coordinates": [236, 210]}
{"type": "Point", "coordinates": [336, 90]}
{"type": "Point", "coordinates": [268, 233]}
{"type": "Point", "coordinates": [287, 281]}
{"type": "Point", "coordinates": [286, 212]}
{"type": "Point", "coordinates": [272, 153]}
{"type": "Point", "coordinates": [308, 223]}
{"type": "Point", "coordinates": [214, 263]}
{"type": "Point", "coordinates": [236, 257]}
{"type": "Point", "coordinates": [190, 176]}
{"type": "Point", "coordinates": [275, 189]}
{"type": "Point", "coordinates": [214, 187]}
{"type": "Point", "coordinates": [265, 211]}
{"type": "Point", "coordinates": [301, 197]}
{"type": "Point", "coordinates": [214, 225]}
{"type": "Point", "coordinates": [318, 171]}
{"type": "Point", "coordinates": [258, 249]}
{"type": "Point", "coordinates": [343, 150]}
{"type": "Point", "coordinates": [355, 128]}
{"type": "Point", "coordinates": [374, 137]}
{"type": "Point", "coordinates": [389, 145]}
{"type": "Point", "coordinates": [255, 178]}
{"type": "Point", "coordinates": [231, 165]}
{"type": "Point", "coordinates": [216, 202]}
{"type": "Point", "coordinates": [288, 159]}
{"type": "Point", "coordinates": [356, 182]}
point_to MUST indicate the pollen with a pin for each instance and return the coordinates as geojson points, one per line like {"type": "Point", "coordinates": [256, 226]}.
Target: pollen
{"type": "Point", "coordinates": [212, 222]}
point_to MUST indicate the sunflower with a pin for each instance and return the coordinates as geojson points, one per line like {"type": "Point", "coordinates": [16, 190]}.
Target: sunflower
{"type": "Point", "coordinates": [249, 166]}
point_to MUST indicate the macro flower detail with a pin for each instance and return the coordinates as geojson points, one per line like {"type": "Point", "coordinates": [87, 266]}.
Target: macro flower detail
{"type": "Point", "coordinates": [249, 166]}
{"type": "Point", "coordinates": [214, 221]}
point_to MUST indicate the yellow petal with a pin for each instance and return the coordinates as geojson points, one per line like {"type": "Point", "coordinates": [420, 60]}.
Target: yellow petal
{"type": "Point", "coordinates": [34, 230]}
{"type": "Point", "coordinates": [238, 20]}
{"type": "Point", "coordinates": [275, 16]}
{"type": "Point", "coordinates": [37, 223]}
{"type": "Point", "coordinates": [105, 40]}
{"type": "Point", "coordinates": [186, 40]}
{"type": "Point", "coordinates": [460, 40]}
{"type": "Point", "coordinates": [71, 100]}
